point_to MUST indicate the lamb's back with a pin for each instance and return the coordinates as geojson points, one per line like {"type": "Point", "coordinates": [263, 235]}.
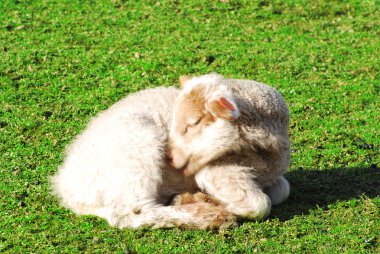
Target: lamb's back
{"type": "Point", "coordinates": [139, 118]}
{"type": "Point", "coordinates": [156, 103]}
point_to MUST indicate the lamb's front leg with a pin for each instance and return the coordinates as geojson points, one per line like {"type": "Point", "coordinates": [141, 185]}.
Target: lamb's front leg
{"type": "Point", "coordinates": [234, 186]}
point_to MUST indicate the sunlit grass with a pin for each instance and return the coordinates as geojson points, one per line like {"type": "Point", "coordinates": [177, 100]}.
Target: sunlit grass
{"type": "Point", "coordinates": [61, 62]}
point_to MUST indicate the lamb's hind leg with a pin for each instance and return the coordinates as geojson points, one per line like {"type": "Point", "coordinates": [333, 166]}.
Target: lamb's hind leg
{"type": "Point", "coordinates": [194, 215]}
{"type": "Point", "coordinates": [235, 188]}
{"type": "Point", "coordinates": [187, 210]}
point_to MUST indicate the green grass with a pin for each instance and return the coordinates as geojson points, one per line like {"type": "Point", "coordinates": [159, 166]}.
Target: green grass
{"type": "Point", "coordinates": [63, 61]}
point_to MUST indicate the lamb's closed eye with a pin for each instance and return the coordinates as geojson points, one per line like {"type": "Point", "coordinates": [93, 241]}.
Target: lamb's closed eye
{"type": "Point", "coordinates": [193, 123]}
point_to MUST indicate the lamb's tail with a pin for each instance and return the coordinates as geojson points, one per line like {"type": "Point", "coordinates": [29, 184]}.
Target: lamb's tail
{"type": "Point", "coordinates": [205, 214]}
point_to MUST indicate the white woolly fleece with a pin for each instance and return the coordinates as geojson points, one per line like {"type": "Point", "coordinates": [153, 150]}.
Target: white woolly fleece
{"type": "Point", "coordinates": [116, 169]}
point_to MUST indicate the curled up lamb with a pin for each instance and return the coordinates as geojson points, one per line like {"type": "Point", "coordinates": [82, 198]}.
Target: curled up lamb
{"type": "Point", "coordinates": [232, 135]}
{"type": "Point", "coordinates": [230, 143]}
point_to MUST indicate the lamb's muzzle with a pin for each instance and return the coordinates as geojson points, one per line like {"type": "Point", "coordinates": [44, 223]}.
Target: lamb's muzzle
{"type": "Point", "coordinates": [178, 158]}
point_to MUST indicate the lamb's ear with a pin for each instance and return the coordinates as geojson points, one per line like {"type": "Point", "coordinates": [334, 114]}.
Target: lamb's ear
{"type": "Point", "coordinates": [183, 79]}
{"type": "Point", "coordinates": [223, 108]}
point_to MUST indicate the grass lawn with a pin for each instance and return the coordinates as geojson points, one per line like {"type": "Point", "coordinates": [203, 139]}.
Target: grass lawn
{"type": "Point", "coordinates": [63, 61]}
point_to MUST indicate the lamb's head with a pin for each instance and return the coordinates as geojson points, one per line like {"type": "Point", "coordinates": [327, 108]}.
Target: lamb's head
{"type": "Point", "coordinates": [203, 127]}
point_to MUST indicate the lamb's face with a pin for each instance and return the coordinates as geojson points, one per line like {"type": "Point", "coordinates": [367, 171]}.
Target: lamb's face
{"type": "Point", "coordinates": [203, 125]}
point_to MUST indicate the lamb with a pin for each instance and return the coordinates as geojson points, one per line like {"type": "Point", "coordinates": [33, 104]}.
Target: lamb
{"type": "Point", "coordinates": [116, 169]}
{"type": "Point", "coordinates": [232, 135]}
{"type": "Point", "coordinates": [229, 136]}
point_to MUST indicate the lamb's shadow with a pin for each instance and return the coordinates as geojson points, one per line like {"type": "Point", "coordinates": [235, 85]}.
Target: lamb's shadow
{"type": "Point", "coordinates": [319, 188]}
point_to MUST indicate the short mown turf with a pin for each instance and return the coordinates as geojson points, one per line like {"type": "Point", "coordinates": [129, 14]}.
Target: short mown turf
{"type": "Point", "coordinates": [63, 61]}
